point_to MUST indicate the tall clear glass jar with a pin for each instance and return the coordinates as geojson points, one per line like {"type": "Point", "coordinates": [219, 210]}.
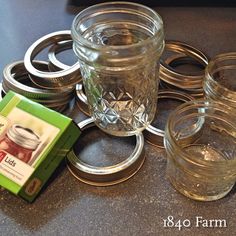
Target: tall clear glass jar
{"type": "Point", "coordinates": [220, 79]}
{"type": "Point", "coordinates": [118, 45]}
{"type": "Point", "coordinates": [200, 141]}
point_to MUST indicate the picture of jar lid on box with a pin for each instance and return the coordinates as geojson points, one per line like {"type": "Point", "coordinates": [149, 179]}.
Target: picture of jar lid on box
{"type": "Point", "coordinates": [20, 142]}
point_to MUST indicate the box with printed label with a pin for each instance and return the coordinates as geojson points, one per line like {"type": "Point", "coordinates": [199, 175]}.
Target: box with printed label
{"type": "Point", "coordinates": [33, 142]}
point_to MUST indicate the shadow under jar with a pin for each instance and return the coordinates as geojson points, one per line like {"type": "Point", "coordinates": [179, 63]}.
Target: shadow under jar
{"type": "Point", "coordinates": [118, 45]}
{"type": "Point", "coordinates": [200, 141]}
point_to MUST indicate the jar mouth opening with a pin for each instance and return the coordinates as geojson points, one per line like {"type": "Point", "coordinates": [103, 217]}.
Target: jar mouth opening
{"type": "Point", "coordinates": [113, 7]}
{"type": "Point", "coordinates": [199, 105]}
{"type": "Point", "coordinates": [219, 65]}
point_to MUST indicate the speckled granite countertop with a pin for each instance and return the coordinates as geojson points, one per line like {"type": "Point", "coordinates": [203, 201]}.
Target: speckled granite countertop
{"type": "Point", "coordinates": [140, 205]}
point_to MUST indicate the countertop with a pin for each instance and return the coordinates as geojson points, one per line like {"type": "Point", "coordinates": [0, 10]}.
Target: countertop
{"type": "Point", "coordinates": [140, 205]}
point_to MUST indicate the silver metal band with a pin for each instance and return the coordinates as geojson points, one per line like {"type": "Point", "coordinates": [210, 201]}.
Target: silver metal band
{"type": "Point", "coordinates": [58, 79]}
{"type": "Point", "coordinates": [196, 93]}
{"type": "Point", "coordinates": [15, 72]}
{"type": "Point", "coordinates": [109, 175]}
{"type": "Point", "coordinates": [15, 78]}
{"type": "Point", "coordinates": [55, 64]}
{"type": "Point", "coordinates": [180, 80]}
{"type": "Point", "coordinates": [155, 135]}
{"type": "Point", "coordinates": [81, 100]}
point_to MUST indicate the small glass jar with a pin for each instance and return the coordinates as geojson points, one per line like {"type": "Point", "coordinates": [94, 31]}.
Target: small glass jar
{"type": "Point", "coordinates": [220, 79]}
{"type": "Point", "coordinates": [200, 141]}
{"type": "Point", "coordinates": [20, 142]}
{"type": "Point", "coordinates": [118, 45]}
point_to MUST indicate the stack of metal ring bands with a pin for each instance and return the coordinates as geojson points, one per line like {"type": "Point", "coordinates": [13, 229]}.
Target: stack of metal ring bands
{"type": "Point", "coordinates": [49, 83]}
{"type": "Point", "coordinates": [191, 83]}
{"type": "Point", "coordinates": [16, 78]}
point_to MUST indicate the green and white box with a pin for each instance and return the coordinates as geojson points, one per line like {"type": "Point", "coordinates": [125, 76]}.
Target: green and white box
{"type": "Point", "coordinates": [33, 142]}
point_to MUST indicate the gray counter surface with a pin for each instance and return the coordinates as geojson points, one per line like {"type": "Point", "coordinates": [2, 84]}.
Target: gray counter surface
{"type": "Point", "coordinates": [140, 205]}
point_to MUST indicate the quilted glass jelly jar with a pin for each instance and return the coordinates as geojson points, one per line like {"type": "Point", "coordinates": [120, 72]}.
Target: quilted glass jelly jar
{"type": "Point", "coordinates": [118, 45]}
{"type": "Point", "coordinates": [20, 142]}
{"type": "Point", "coordinates": [220, 79]}
{"type": "Point", "coordinates": [200, 142]}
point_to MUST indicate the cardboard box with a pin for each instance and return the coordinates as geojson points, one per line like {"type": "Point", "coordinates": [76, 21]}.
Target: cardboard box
{"type": "Point", "coordinates": [33, 142]}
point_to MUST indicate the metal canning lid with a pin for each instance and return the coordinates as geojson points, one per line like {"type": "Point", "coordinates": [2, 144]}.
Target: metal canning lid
{"type": "Point", "coordinates": [155, 135]}
{"type": "Point", "coordinates": [81, 99]}
{"type": "Point", "coordinates": [109, 175]}
{"type": "Point", "coordinates": [24, 137]}
{"type": "Point", "coordinates": [15, 73]}
{"type": "Point", "coordinates": [46, 79]}
{"type": "Point", "coordinates": [189, 53]}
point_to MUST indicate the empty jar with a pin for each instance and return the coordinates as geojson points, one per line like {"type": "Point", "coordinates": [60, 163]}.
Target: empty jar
{"type": "Point", "coordinates": [200, 142]}
{"type": "Point", "coordinates": [220, 79]}
{"type": "Point", "coordinates": [118, 45]}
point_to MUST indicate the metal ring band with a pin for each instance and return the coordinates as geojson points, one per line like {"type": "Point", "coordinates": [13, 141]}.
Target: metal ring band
{"type": "Point", "coordinates": [187, 50]}
{"type": "Point", "coordinates": [178, 59]}
{"type": "Point", "coordinates": [55, 49]}
{"type": "Point", "coordinates": [49, 102]}
{"type": "Point", "coordinates": [154, 135]}
{"type": "Point", "coordinates": [169, 75]}
{"type": "Point", "coordinates": [181, 83]}
{"type": "Point", "coordinates": [183, 49]}
{"type": "Point", "coordinates": [109, 175]}
{"type": "Point", "coordinates": [81, 100]}
{"type": "Point", "coordinates": [196, 93]}
{"type": "Point", "coordinates": [57, 79]}
{"type": "Point", "coordinates": [59, 108]}
{"type": "Point", "coordinates": [12, 75]}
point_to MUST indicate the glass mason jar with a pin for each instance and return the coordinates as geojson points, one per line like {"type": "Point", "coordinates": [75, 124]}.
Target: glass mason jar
{"type": "Point", "coordinates": [200, 142]}
{"type": "Point", "coordinates": [118, 45]}
{"type": "Point", "coordinates": [220, 79]}
{"type": "Point", "coordinates": [20, 142]}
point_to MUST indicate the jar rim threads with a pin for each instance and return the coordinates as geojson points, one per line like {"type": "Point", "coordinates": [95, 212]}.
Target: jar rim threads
{"type": "Point", "coordinates": [219, 82]}
{"type": "Point", "coordinates": [112, 7]}
{"type": "Point", "coordinates": [200, 108]}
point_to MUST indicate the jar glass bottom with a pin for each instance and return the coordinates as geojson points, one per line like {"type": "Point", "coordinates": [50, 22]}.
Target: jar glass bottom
{"type": "Point", "coordinates": [196, 187]}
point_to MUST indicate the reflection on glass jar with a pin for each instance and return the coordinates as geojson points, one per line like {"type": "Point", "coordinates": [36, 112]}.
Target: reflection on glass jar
{"type": "Point", "coordinates": [118, 46]}
{"type": "Point", "coordinates": [219, 84]}
{"type": "Point", "coordinates": [20, 142]}
{"type": "Point", "coordinates": [200, 142]}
